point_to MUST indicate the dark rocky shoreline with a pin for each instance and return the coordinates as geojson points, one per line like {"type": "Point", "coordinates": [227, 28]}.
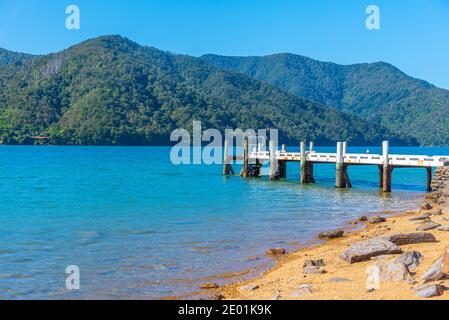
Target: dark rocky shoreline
{"type": "Point", "coordinates": [440, 186]}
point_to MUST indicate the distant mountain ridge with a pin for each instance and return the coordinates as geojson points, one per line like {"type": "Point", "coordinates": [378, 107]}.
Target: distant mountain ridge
{"type": "Point", "coordinates": [7, 57]}
{"type": "Point", "coordinates": [377, 92]}
{"type": "Point", "coordinates": [113, 91]}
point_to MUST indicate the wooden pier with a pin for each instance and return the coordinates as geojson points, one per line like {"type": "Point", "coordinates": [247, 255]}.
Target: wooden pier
{"type": "Point", "coordinates": [254, 158]}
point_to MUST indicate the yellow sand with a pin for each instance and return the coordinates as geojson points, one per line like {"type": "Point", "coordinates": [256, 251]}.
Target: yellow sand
{"type": "Point", "coordinates": [283, 280]}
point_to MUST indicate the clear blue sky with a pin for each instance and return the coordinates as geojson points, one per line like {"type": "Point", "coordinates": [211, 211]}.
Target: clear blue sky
{"type": "Point", "coordinates": [414, 34]}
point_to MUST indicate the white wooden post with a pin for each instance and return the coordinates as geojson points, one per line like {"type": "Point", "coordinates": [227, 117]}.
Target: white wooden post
{"type": "Point", "coordinates": [386, 183]}
{"type": "Point", "coordinates": [339, 167]}
{"type": "Point", "coordinates": [273, 161]}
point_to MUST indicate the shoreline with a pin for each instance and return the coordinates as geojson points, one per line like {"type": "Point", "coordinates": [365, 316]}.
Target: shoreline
{"type": "Point", "coordinates": [246, 276]}
{"type": "Point", "coordinates": [341, 280]}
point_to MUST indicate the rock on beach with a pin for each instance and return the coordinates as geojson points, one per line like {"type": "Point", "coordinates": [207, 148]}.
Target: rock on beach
{"type": "Point", "coordinates": [276, 252]}
{"type": "Point", "coordinates": [411, 259]}
{"type": "Point", "coordinates": [429, 291]}
{"type": "Point", "coordinates": [411, 238]}
{"type": "Point", "coordinates": [428, 226]}
{"type": "Point", "coordinates": [363, 251]}
{"type": "Point", "coordinates": [331, 234]}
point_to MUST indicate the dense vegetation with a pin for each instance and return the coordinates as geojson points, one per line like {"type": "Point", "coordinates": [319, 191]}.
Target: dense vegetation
{"type": "Point", "coordinates": [377, 92]}
{"type": "Point", "coordinates": [7, 57]}
{"type": "Point", "coordinates": [112, 91]}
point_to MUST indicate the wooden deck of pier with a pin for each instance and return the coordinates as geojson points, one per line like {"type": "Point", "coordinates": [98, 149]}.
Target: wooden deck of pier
{"type": "Point", "coordinates": [278, 159]}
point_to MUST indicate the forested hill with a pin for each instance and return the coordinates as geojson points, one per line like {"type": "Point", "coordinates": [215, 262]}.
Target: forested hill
{"type": "Point", "coordinates": [112, 91]}
{"type": "Point", "coordinates": [7, 57]}
{"type": "Point", "coordinates": [377, 92]}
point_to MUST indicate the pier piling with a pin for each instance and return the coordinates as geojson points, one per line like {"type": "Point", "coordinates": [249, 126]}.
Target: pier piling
{"type": "Point", "coordinates": [302, 159]}
{"type": "Point", "coordinates": [386, 163]}
{"type": "Point", "coordinates": [309, 165]}
{"type": "Point", "coordinates": [282, 169]}
{"type": "Point", "coordinates": [381, 176]}
{"type": "Point", "coordinates": [429, 179]}
{"type": "Point", "coordinates": [339, 178]}
{"type": "Point", "coordinates": [274, 170]}
{"type": "Point", "coordinates": [346, 180]}
{"type": "Point", "coordinates": [283, 164]}
{"type": "Point", "coordinates": [227, 167]}
{"type": "Point", "coordinates": [245, 169]}
{"type": "Point", "coordinates": [306, 168]}
{"type": "Point", "coordinates": [387, 169]}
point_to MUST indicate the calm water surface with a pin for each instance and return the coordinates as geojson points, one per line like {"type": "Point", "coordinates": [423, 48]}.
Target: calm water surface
{"type": "Point", "coordinates": [139, 227]}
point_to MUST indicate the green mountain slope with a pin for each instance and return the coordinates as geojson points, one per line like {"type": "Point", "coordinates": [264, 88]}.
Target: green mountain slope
{"type": "Point", "coordinates": [376, 92]}
{"type": "Point", "coordinates": [112, 91]}
{"type": "Point", "coordinates": [7, 57]}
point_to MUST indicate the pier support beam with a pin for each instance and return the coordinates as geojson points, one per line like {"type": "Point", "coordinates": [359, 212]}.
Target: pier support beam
{"type": "Point", "coordinates": [339, 177]}
{"type": "Point", "coordinates": [245, 169]}
{"type": "Point", "coordinates": [274, 168]}
{"type": "Point", "coordinates": [342, 178]}
{"type": "Point", "coordinates": [381, 176]}
{"type": "Point", "coordinates": [387, 169]}
{"type": "Point", "coordinates": [306, 167]}
{"type": "Point", "coordinates": [249, 170]}
{"type": "Point", "coordinates": [387, 174]}
{"type": "Point", "coordinates": [309, 173]}
{"type": "Point", "coordinates": [346, 181]}
{"type": "Point", "coordinates": [429, 179]}
{"type": "Point", "coordinates": [227, 167]}
{"type": "Point", "coordinates": [302, 158]}
{"type": "Point", "coordinates": [282, 169]}
{"type": "Point", "coordinates": [283, 164]}
{"type": "Point", "coordinates": [312, 147]}
{"type": "Point", "coordinates": [258, 168]}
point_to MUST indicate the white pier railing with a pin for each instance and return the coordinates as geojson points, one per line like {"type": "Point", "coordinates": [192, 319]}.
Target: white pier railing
{"type": "Point", "coordinates": [386, 162]}
{"type": "Point", "coordinates": [354, 158]}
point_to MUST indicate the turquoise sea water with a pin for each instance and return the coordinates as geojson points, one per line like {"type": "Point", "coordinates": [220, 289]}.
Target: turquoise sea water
{"type": "Point", "coordinates": [139, 227]}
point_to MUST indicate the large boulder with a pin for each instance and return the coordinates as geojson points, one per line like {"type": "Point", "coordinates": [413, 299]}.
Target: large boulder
{"type": "Point", "coordinates": [439, 270]}
{"type": "Point", "coordinates": [373, 279]}
{"type": "Point", "coordinates": [393, 271]}
{"type": "Point", "coordinates": [411, 238]}
{"type": "Point", "coordinates": [388, 271]}
{"type": "Point", "coordinates": [411, 259]}
{"type": "Point", "coordinates": [429, 291]}
{"type": "Point", "coordinates": [364, 251]}
{"type": "Point", "coordinates": [428, 226]}
{"type": "Point", "coordinates": [436, 271]}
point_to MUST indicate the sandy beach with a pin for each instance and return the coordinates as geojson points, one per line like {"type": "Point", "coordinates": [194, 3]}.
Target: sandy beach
{"type": "Point", "coordinates": [341, 280]}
